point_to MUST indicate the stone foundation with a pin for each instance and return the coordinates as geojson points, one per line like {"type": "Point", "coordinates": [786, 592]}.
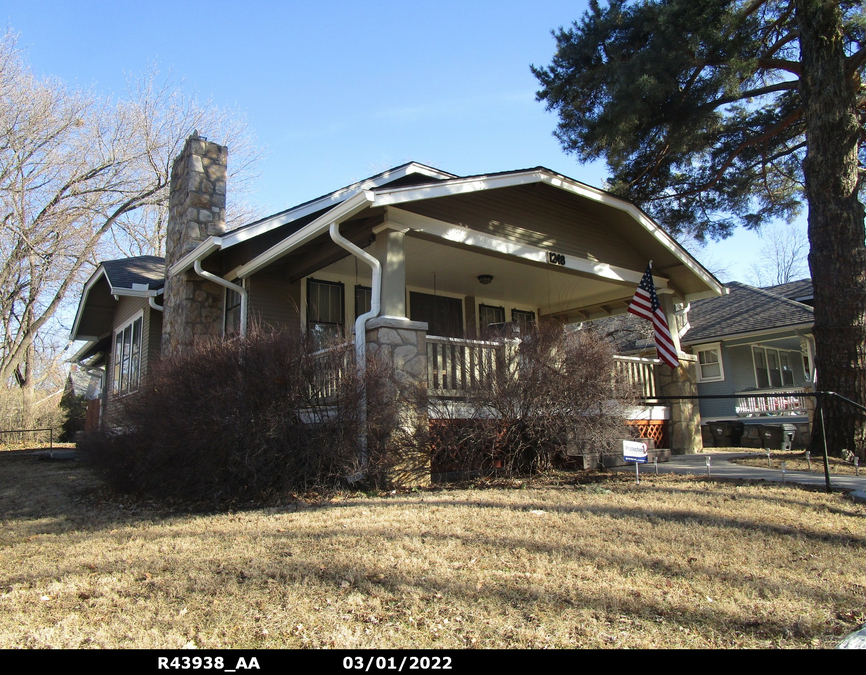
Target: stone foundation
{"type": "Point", "coordinates": [397, 349]}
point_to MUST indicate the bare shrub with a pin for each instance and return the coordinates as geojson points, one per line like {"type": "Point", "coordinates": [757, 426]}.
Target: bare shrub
{"type": "Point", "coordinates": [247, 419]}
{"type": "Point", "coordinates": [543, 398]}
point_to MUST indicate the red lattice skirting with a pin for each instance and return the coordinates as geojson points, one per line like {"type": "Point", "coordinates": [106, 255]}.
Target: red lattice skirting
{"type": "Point", "coordinates": [654, 429]}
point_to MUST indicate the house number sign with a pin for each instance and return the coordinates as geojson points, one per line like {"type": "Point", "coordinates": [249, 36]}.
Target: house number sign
{"type": "Point", "coordinates": [555, 258]}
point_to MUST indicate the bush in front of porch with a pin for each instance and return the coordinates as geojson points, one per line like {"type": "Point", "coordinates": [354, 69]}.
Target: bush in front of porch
{"type": "Point", "coordinates": [545, 399]}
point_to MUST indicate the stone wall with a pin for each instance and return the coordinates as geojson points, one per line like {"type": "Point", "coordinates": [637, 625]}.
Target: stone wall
{"type": "Point", "coordinates": [397, 349]}
{"type": "Point", "coordinates": [685, 423]}
{"type": "Point", "coordinates": [197, 210]}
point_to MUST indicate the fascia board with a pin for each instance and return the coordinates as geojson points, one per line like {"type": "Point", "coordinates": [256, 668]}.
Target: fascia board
{"type": "Point", "coordinates": [332, 199]}
{"type": "Point", "coordinates": [76, 357]}
{"type": "Point", "coordinates": [396, 196]}
{"type": "Point", "coordinates": [746, 334]}
{"type": "Point", "coordinates": [336, 215]}
{"type": "Point", "coordinates": [100, 271]}
{"type": "Point", "coordinates": [200, 252]}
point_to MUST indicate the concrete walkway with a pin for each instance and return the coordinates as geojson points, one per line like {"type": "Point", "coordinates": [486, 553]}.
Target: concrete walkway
{"type": "Point", "coordinates": [722, 467]}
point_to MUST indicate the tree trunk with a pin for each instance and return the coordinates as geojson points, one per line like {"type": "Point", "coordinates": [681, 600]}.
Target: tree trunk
{"type": "Point", "coordinates": [837, 238]}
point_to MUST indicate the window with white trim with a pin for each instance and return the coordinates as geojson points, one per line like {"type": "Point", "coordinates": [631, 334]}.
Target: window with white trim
{"type": "Point", "coordinates": [127, 356]}
{"type": "Point", "coordinates": [773, 367]}
{"type": "Point", "coordinates": [710, 367]}
{"type": "Point", "coordinates": [325, 311]}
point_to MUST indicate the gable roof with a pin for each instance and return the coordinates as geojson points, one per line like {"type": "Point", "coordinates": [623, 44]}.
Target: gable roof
{"type": "Point", "coordinates": [133, 273]}
{"type": "Point", "coordinates": [314, 218]}
{"type": "Point", "coordinates": [799, 290]}
{"type": "Point", "coordinates": [743, 311]}
{"type": "Point", "coordinates": [142, 277]}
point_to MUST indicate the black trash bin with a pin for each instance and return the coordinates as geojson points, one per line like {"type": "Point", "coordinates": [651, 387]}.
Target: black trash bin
{"type": "Point", "coordinates": [777, 436]}
{"type": "Point", "coordinates": [738, 429]}
{"type": "Point", "coordinates": [721, 432]}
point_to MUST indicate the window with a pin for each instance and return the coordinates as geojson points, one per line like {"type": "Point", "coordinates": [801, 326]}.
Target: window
{"type": "Point", "coordinates": [524, 319]}
{"type": "Point", "coordinates": [773, 368]}
{"type": "Point", "coordinates": [325, 311]}
{"type": "Point", "coordinates": [488, 314]}
{"type": "Point", "coordinates": [127, 356]}
{"type": "Point", "coordinates": [444, 316]}
{"type": "Point", "coordinates": [232, 325]}
{"type": "Point", "coordinates": [710, 368]}
{"type": "Point", "coordinates": [363, 300]}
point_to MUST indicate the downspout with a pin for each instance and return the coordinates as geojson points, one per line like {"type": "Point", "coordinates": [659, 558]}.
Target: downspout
{"type": "Point", "coordinates": [151, 300]}
{"type": "Point", "coordinates": [361, 339]}
{"type": "Point", "coordinates": [240, 290]}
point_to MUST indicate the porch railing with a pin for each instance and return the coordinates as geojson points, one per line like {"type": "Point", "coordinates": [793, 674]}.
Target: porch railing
{"type": "Point", "coordinates": [331, 367]}
{"type": "Point", "coordinates": [783, 401]}
{"type": "Point", "coordinates": [639, 372]}
{"type": "Point", "coordinates": [456, 366]}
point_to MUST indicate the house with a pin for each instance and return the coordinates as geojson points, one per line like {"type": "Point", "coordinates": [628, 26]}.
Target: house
{"type": "Point", "coordinates": [754, 341]}
{"type": "Point", "coordinates": [413, 262]}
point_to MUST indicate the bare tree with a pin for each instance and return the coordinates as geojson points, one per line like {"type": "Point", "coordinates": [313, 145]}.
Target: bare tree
{"type": "Point", "coordinates": [83, 177]}
{"type": "Point", "coordinates": [783, 257]}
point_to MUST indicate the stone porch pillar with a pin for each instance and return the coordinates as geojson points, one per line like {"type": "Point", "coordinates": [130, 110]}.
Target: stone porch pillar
{"type": "Point", "coordinates": [685, 424]}
{"type": "Point", "coordinates": [397, 405]}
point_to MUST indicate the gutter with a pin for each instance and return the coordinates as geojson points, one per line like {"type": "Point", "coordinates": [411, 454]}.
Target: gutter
{"type": "Point", "coordinates": [361, 340]}
{"type": "Point", "coordinates": [227, 284]}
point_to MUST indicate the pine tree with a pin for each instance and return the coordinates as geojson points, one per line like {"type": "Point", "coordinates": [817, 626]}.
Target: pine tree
{"type": "Point", "coordinates": [721, 113]}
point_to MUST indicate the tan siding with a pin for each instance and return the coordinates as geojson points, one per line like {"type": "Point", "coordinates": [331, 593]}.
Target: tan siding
{"type": "Point", "coordinates": [127, 308]}
{"type": "Point", "coordinates": [274, 302]}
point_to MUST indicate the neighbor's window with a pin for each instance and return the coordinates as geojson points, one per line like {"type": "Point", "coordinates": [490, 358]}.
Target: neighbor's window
{"type": "Point", "coordinates": [324, 312]}
{"type": "Point", "coordinates": [773, 368]}
{"type": "Point", "coordinates": [232, 325]}
{"type": "Point", "coordinates": [127, 356]}
{"type": "Point", "coordinates": [710, 367]}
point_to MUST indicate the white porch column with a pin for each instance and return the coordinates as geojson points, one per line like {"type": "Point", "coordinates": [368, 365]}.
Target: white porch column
{"type": "Point", "coordinates": [389, 252]}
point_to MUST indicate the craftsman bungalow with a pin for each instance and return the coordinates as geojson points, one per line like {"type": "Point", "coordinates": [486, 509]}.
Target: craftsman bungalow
{"type": "Point", "coordinates": [414, 258]}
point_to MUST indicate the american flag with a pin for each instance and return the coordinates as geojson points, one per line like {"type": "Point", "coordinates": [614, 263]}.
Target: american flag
{"type": "Point", "coordinates": [645, 304]}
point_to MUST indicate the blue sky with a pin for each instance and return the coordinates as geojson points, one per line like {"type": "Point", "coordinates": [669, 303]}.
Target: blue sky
{"type": "Point", "coordinates": [337, 91]}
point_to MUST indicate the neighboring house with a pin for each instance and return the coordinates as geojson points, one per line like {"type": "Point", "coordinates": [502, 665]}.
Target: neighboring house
{"type": "Point", "coordinates": [455, 254]}
{"type": "Point", "coordinates": [753, 341]}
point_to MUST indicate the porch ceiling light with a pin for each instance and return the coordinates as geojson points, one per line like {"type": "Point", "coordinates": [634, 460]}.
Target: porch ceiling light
{"type": "Point", "coordinates": [485, 278]}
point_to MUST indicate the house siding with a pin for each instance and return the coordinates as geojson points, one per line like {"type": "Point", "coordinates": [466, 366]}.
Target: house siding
{"type": "Point", "coordinates": [274, 302]}
{"type": "Point", "coordinates": [151, 329]}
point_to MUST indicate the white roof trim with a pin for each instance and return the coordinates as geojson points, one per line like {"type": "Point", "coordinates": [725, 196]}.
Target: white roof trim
{"type": "Point", "coordinates": [794, 327]}
{"type": "Point", "coordinates": [338, 214]}
{"type": "Point", "coordinates": [469, 237]}
{"type": "Point", "coordinates": [113, 290]}
{"type": "Point", "coordinates": [399, 195]}
{"type": "Point", "coordinates": [200, 252]}
{"type": "Point", "coordinates": [395, 196]}
{"type": "Point", "coordinates": [330, 200]}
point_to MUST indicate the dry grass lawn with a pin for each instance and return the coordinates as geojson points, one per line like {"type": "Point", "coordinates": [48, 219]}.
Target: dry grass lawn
{"type": "Point", "coordinates": [795, 460]}
{"type": "Point", "coordinates": [674, 562]}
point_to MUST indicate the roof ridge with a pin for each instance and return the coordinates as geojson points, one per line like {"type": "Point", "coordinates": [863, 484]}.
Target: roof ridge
{"type": "Point", "coordinates": [770, 294]}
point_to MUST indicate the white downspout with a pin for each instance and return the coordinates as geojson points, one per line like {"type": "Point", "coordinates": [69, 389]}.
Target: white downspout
{"type": "Point", "coordinates": [228, 284]}
{"type": "Point", "coordinates": [361, 338]}
{"type": "Point", "coordinates": [151, 300]}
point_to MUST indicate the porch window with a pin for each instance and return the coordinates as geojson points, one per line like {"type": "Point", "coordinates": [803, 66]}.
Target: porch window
{"type": "Point", "coordinates": [232, 321]}
{"type": "Point", "coordinates": [710, 367]}
{"type": "Point", "coordinates": [773, 368]}
{"type": "Point", "coordinates": [363, 300]}
{"type": "Point", "coordinates": [444, 316]}
{"type": "Point", "coordinates": [127, 356]}
{"type": "Point", "coordinates": [488, 314]}
{"type": "Point", "coordinates": [524, 319]}
{"type": "Point", "coordinates": [325, 311]}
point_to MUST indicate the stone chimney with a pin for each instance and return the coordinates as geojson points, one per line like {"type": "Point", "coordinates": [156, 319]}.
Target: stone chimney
{"type": "Point", "coordinates": [197, 210]}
